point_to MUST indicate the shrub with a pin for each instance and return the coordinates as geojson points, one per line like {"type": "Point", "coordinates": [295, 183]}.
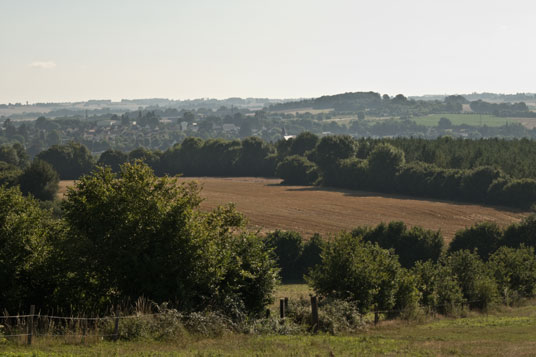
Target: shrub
{"type": "Point", "coordinates": [439, 289]}
{"type": "Point", "coordinates": [477, 285]}
{"type": "Point", "coordinates": [357, 271]}
{"type": "Point", "coordinates": [514, 271]}
{"type": "Point", "coordinates": [484, 237]}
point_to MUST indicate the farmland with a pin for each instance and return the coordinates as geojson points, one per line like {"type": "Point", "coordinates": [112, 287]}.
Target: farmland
{"type": "Point", "coordinates": [268, 205]}
{"type": "Point", "coordinates": [473, 120]}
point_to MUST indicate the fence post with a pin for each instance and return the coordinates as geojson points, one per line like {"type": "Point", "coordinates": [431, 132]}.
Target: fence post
{"type": "Point", "coordinates": [84, 330]}
{"type": "Point", "coordinates": [282, 308]}
{"type": "Point", "coordinates": [286, 305]}
{"type": "Point", "coordinates": [30, 324]}
{"type": "Point", "coordinates": [314, 312]}
{"type": "Point", "coordinates": [116, 327]}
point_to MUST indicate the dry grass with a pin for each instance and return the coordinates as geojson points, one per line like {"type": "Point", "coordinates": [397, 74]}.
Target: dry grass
{"type": "Point", "coordinates": [269, 206]}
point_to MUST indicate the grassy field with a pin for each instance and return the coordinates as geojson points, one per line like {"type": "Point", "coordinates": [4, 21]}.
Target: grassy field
{"type": "Point", "coordinates": [507, 332]}
{"type": "Point", "coordinates": [306, 209]}
{"type": "Point", "coordinates": [468, 119]}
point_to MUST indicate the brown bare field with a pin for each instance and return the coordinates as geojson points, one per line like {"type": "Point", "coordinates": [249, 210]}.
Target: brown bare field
{"type": "Point", "coordinates": [269, 205]}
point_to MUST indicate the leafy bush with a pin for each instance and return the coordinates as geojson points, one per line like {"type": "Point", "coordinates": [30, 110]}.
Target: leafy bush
{"type": "Point", "coordinates": [439, 289]}
{"type": "Point", "coordinates": [357, 271]}
{"type": "Point", "coordinates": [334, 315]}
{"type": "Point", "coordinates": [475, 280]}
{"type": "Point", "coordinates": [514, 271]}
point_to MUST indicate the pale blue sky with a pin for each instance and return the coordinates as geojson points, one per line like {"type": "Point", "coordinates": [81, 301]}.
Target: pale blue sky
{"type": "Point", "coordinates": [65, 50]}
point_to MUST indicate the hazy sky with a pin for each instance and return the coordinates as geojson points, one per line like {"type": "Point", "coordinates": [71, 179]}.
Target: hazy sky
{"type": "Point", "coordinates": [53, 50]}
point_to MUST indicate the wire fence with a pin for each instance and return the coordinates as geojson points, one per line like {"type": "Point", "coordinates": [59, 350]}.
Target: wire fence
{"type": "Point", "coordinates": [39, 325]}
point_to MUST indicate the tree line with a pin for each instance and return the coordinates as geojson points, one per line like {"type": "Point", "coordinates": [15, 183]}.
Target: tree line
{"type": "Point", "coordinates": [489, 171]}
{"type": "Point", "coordinates": [131, 234]}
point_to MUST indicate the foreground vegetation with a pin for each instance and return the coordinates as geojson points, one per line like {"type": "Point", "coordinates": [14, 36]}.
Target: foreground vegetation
{"type": "Point", "coordinates": [507, 331]}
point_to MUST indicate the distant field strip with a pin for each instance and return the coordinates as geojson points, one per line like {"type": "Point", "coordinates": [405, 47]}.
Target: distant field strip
{"type": "Point", "coordinates": [269, 205]}
{"type": "Point", "coordinates": [473, 120]}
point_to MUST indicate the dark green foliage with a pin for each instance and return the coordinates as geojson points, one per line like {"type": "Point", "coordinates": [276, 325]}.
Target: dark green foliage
{"type": "Point", "coordinates": [135, 227]}
{"type": "Point", "coordinates": [9, 174]}
{"type": "Point", "coordinates": [478, 287]}
{"type": "Point", "coordinates": [521, 233]}
{"type": "Point", "coordinates": [329, 150]}
{"type": "Point", "coordinates": [358, 271]}
{"type": "Point", "coordinates": [297, 170]}
{"type": "Point", "coordinates": [384, 161]}
{"type": "Point", "coordinates": [484, 237]}
{"type": "Point", "coordinates": [112, 158]}
{"type": "Point", "coordinates": [25, 234]}
{"type": "Point", "coordinates": [303, 143]}
{"type": "Point", "coordinates": [411, 245]}
{"type": "Point", "coordinates": [514, 270]}
{"type": "Point", "coordinates": [476, 182]}
{"type": "Point", "coordinates": [70, 161]}
{"type": "Point", "coordinates": [310, 256]}
{"type": "Point", "coordinates": [39, 179]}
{"type": "Point", "coordinates": [288, 248]}
{"type": "Point", "coordinates": [439, 288]}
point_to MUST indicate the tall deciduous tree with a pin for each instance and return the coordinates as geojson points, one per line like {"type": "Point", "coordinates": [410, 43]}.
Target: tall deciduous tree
{"type": "Point", "coordinates": [135, 234]}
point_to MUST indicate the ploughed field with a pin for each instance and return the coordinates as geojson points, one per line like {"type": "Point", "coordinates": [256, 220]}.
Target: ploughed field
{"type": "Point", "coordinates": [268, 205]}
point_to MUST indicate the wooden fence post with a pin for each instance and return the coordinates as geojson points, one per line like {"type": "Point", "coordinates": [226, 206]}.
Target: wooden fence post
{"type": "Point", "coordinates": [30, 324]}
{"type": "Point", "coordinates": [84, 330]}
{"type": "Point", "coordinates": [282, 308]}
{"type": "Point", "coordinates": [116, 327]}
{"type": "Point", "coordinates": [286, 305]}
{"type": "Point", "coordinates": [314, 312]}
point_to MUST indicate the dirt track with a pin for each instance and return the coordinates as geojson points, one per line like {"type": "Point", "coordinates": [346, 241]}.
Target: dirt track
{"type": "Point", "coordinates": [269, 205]}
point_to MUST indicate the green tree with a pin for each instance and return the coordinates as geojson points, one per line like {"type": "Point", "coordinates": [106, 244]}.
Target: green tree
{"type": "Point", "coordinates": [514, 271]}
{"type": "Point", "coordinates": [384, 162]}
{"type": "Point", "coordinates": [484, 237]}
{"type": "Point", "coordinates": [297, 170]}
{"type": "Point", "coordinates": [303, 143]}
{"type": "Point", "coordinates": [134, 234]}
{"type": "Point", "coordinates": [25, 230]}
{"type": "Point", "coordinates": [70, 161]}
{"type": "Point", "coordinates": [40, 179]}
{"type": "Point", "coordinates": [287, 248]}
{"type": "Point", "coordinates": [358, 271]}
{"type": "Point", "coordinates": [113, 158]}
